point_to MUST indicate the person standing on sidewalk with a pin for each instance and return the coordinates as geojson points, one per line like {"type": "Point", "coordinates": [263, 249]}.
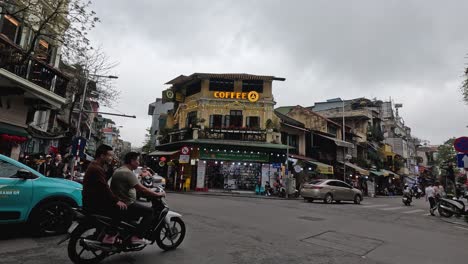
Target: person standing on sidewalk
{"type": "Point", "coordinates": [430, 196]}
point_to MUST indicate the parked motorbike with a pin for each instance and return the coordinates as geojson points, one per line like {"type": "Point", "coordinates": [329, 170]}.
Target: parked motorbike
{"type": "Point", "coordinates": [86, 234]}
{"type": "Point", "coordinates": [407, 199]}
{"type": "Point", "coordinates": [449, 207]}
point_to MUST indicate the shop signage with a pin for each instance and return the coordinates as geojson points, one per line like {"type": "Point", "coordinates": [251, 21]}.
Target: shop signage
{"type": "Point", "coordinates": [184, 159]}
{"type": "Point", "coordinates": [251, 96]}
{"type": "Point", "coordinates": [234, 156]}
{"type": "Point", "coordinates": [277, 165]}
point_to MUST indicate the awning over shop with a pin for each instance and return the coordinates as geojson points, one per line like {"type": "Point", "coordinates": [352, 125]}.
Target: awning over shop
{"type": "Point", "coordinates": [339, 143]}
{"type": "Point", "coordinates": [390, 173]}
{"type": "Point", "coordinates": [322, 167]}
{"type": "Point", "coordinates": [357, 168]}
{"type": "Point", "coordinates": [10, 79]}
{"type": "Point", "coordinates": [163, 153]}
{"type": "Point", "coordinates": [377, 173]}
{"type": "Point", "coordinates": [13, 130]}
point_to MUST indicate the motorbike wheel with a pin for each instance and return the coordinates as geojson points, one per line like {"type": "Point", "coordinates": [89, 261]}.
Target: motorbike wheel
{"type": "Point", "coordinates": [171, 236]}
{"type": "Point", "coordinates": [78, 252]}
{"type": "Point", "coordinates": [444, 213]}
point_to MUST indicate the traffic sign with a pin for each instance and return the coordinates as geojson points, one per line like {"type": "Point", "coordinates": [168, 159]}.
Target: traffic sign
{"type": "Point", "coordinates": [185, 150]}
{"type": "Point", "coordinates": [462, 160]}
{"type": "Point", "coordinates": [461, 144]}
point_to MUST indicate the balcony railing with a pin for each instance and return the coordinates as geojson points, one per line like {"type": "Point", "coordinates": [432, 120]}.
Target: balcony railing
{"type": "Point", "coordinates": [32, 69]}
{"type": "Point", "coordinates": [241, 134]}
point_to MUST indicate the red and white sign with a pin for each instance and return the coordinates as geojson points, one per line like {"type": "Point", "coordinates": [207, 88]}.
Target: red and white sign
{"type": "Point", "coordinates": [185, 150]}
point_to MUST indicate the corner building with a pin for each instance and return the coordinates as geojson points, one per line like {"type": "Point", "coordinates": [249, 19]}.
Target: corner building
{"type": "Point", "coordinates": [227, 124]}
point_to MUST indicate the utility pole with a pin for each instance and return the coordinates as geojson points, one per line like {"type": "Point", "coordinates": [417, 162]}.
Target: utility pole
{"type": "Point", "coordinates": [287, 169]}
{"type": "Point", "coordinates": [76, 156]}
{"type": "Point", "coordinates": [344, 139]}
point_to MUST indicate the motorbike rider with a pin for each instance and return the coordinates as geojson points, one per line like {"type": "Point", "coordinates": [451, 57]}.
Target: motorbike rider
{"type": "Point", "coordinates": [407, 190]}
{"type": "Point", "coordinates": [125, 186]}
{"type": "Point", "coordinates": [97, 195]}
{"type": "Point", "coordinates": [145, 172]}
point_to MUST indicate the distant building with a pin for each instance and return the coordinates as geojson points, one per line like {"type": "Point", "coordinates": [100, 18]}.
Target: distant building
{"type": "Point", "coordinates": [158, 110]}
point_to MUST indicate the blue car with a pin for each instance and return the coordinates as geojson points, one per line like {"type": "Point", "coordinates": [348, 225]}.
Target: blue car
{"type": "Point", "coordinates": [26, 196]}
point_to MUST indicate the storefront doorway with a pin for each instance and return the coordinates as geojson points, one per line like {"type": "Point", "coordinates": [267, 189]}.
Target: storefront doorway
{"type": "Point", "coordinates": [233, 175]}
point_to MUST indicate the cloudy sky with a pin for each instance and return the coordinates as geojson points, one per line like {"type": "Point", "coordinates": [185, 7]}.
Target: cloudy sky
{"type": "Point", "coordinates": [413, 52]}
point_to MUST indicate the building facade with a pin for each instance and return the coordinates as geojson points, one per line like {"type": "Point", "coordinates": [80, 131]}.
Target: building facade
{"type": "Point", "coordinates": [32, 88]}
{"type": "Point", "coordinates": [222, 132]}
{"type": "Point", "coordinates": [158, 111]}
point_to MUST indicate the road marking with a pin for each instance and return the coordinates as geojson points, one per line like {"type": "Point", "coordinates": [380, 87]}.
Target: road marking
{"type": "Point", "coordinates": [459, 227]}
{"type": "Point", "coordinates": [375, 205]}
{"type": "Point", "coordinates": [391, 208]}
{"type": "Point", "coordinates": [414, 211]}
{"type": "Point", "coordinates": [428, 214]}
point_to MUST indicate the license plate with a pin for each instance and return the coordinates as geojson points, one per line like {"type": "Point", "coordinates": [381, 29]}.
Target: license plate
{"type": "Point", "coordinates": [72, 227]}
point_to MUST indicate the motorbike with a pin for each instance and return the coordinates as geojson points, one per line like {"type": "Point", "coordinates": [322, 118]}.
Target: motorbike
{"type": "Point", "coordinates": [85, 235]}
{"type": "Point", "coordinates": [148, 182]}
{"type": "Point", "coordinates": [407, 199]}
{"type": "Point", "coordinates": [449, 207]}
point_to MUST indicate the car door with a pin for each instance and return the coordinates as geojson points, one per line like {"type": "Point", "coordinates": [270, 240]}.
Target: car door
{"type": "Point", "coordinates": [335, 190]}
{"type": "Point", "coordinates": [346, 190]}
{"type": "Point", "coordinates": [15, 193]}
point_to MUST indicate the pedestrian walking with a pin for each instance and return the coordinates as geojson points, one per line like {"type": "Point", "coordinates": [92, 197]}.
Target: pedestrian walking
{"type": "Point", "coordinates": [57, 169]}
{"type": "Point", "coordinates": [430, 196]}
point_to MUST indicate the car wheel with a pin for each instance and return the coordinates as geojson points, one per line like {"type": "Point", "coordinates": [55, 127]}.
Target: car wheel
{"type": "Point", "coordinates": [51, 218]}
{"type": "Point", "coordinates": [328, 198]}
{"type": "Point", "coordinates": [357, 199]}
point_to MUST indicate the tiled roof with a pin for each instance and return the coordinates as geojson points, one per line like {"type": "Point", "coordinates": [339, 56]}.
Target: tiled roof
{"type": "Point", "coordinates": [232, 76]}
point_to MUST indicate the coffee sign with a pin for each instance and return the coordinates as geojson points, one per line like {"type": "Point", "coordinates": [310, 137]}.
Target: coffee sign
{"type": "Point", "coordinates": [251, 96]}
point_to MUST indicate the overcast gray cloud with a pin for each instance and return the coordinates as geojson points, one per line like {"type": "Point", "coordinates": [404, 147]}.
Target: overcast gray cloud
{"type": "Point", "coordinates": [411, 51]}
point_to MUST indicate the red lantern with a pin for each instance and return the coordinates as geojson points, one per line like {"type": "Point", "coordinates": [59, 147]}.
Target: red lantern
{"type": "Point", "coordinates": [162, 159]}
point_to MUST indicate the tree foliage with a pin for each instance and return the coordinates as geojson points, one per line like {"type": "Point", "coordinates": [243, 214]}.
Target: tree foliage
{"type": "Point", "coordinates": [446, 153]}
{"type": "Point", "coordinates": [464, 88]}
{"type": "Point", "coordinates": [147, 144]}
{"type": "Point", "coordinates": [64, 23]}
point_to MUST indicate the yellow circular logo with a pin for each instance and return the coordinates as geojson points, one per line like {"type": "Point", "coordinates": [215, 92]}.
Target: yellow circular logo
{"type": "Point", "coordinates": [253, 96]}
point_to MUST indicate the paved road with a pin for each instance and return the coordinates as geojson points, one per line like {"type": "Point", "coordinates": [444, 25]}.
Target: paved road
{"type": "Point", "coordinates": [246, 230]}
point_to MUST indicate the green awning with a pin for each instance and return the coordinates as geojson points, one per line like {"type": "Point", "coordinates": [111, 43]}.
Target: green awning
{"type": "Point", "coordinates": [209, 142]}
{"type": "Point", "coordinates": [13, 130]}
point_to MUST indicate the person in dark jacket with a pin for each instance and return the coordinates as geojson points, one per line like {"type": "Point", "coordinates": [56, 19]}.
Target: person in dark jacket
{"type": "Point", "coordinates": [97, 195]}
{"type": "Point", "coordinates": [57, 168]}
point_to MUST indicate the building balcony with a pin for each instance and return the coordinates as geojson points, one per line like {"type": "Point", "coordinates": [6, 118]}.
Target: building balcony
{"type": "Point", "coordinates": [238, 134]}
{"type": "Point", "coordinates": [33, 69]}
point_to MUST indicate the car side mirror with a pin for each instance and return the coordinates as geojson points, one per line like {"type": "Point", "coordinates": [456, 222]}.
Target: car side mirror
{"type": "Point", "coordinates": [24, 174]}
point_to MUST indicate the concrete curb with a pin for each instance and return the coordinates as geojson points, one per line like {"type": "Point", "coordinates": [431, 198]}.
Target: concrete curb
{"type": "Point", "coordinates": [461, 222]}
{"type": "Point", "coordinates": [235, 195]}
